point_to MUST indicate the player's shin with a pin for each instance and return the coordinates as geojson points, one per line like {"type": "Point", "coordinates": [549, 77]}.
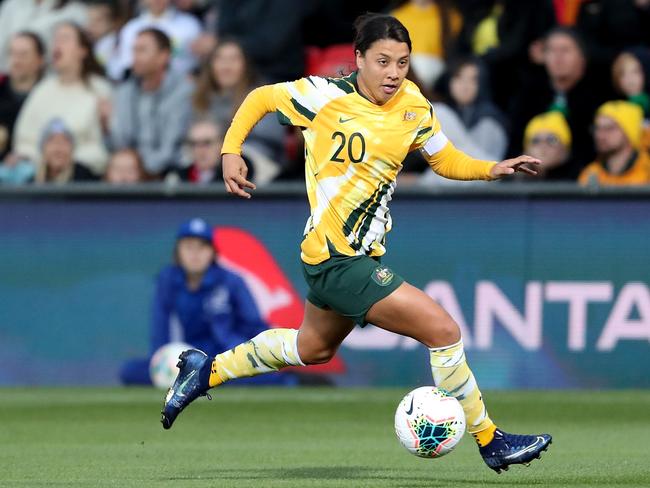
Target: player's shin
{"type": "Point", "coordinates": [268, 351]}
{"type": "Point", "coordinates": [451, 372]}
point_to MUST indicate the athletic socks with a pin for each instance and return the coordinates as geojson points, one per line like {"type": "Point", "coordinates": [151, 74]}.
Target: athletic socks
{"type": "Point", "coordinates": [274, 349]}
{"type": "Point", "coordinates": [450, 372]}
{"type": "Point", "coordinates": [268, 351]}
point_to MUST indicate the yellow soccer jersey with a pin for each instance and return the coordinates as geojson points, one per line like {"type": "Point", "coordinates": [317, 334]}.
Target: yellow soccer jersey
{"type": "Point", "coordinates": [353, 152]}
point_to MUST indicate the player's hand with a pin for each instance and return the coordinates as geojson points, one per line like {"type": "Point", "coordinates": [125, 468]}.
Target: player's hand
{"type": "Point", "coordinates": [510, 166]}
{"type": "Point", "coordinates": [234, 175]}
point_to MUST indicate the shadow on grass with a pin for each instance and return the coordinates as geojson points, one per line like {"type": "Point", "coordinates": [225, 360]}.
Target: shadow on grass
{"type": "Point", "coordinates": [391, 477]}
{"type": "Point", "coordinates": [319, 473]}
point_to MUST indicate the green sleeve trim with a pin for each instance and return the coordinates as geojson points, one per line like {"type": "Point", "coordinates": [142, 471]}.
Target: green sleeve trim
{"type": "Point", "coordinates": [283, 119]}
{"type": "Point", "coordinates": [303, 110]}
{"type": "Point", "coordinates": [342, 83]}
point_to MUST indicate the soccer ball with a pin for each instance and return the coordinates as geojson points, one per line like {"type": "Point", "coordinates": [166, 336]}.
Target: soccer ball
{"type": "Point", "coordinates": [429, 422]}
{"type": "Point", "coordinates": [162, 367]}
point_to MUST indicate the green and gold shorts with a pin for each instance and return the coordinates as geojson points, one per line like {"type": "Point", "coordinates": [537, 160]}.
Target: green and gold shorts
{"type": "Point", "coordinates": [349, 285]}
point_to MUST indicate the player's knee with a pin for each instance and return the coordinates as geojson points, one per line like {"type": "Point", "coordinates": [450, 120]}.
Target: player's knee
{"type": "Point", "coordinates": [441, 331]}
{"type": "Point", "coordinates": [317, 355]}
{"type": "Point", "coordinates": [446, 333]}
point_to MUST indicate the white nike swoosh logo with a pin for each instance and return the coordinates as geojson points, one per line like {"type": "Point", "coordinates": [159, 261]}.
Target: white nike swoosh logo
{"type": "Point", "coordinates": [532, 447]}
{"type": "Point", "coordinates": [179, 392]}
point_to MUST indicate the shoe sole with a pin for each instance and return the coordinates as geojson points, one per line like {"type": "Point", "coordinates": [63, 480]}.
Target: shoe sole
{"type": "Point", "coordinates": [505, 467]}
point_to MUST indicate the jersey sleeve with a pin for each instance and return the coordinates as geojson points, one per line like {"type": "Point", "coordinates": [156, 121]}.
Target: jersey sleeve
{"type": "Point", "coordinates": [295, 103]}
{"type": "Point", "coordinates": [443, 157]}
{"type": "Point", "coordinates": [428, 126]}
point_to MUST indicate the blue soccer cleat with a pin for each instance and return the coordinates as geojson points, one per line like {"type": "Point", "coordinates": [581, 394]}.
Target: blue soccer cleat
{"type": "Point", "coordinates": [506, 449]}
{"type": "Point", "coordinates": [192, 382]}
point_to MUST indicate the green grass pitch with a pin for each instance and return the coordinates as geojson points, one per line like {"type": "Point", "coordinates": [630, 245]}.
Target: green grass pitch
{"type": "Point", "coordinates": [305, 438]}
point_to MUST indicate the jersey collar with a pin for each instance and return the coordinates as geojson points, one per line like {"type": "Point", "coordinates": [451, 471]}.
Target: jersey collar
{"type": "Point", "coordinates": [352, 79]}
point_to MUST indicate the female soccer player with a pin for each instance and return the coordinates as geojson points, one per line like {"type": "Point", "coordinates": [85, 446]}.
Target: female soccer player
{"type": "Point", "coordinates": [357, 131]}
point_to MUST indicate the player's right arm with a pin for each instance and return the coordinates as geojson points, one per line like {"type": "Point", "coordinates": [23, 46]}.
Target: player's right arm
{"type": "Point", "coordinates": [294, 104]}
{"type": "Point", "coordinates": [257, 104]}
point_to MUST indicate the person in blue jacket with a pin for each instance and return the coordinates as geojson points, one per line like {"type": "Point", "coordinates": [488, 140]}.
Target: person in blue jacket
{"type": "Point", "coordinates": [200, 303]}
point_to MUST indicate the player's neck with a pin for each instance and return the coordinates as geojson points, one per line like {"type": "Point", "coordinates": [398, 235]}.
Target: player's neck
{"type": "Point", "coordinates": [364, 91]}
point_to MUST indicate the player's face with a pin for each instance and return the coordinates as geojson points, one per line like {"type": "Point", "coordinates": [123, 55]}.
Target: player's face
{"type": "Point", "coordinates": [382, 69]}
{"type": "Point", "coordinates": [608, 136]}
{"type": "Point", "coordinates": [194, 255]}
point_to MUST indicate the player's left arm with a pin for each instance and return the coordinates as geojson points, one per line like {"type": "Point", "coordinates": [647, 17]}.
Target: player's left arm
{"type": "Point", "coordinates": [450, 162]}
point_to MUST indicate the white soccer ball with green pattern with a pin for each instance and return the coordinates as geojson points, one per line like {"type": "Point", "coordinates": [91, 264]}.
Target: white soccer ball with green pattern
{"type": "Point", "coordinates": [162, 367]}
{"type": "Point", "coordinates": [429, 423]}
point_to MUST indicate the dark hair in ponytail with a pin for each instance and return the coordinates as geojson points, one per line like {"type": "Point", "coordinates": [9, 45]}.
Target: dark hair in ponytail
{"type": "Point", "coordinates": [371, 27]}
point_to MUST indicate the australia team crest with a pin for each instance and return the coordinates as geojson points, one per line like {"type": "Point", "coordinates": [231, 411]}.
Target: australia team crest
{"type": "Point", "coordinates": [382, 275]}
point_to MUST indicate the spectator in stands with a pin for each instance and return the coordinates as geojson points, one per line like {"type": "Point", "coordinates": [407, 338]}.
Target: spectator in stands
{"type": "Point", "coordinates": [609, 26]}
{"type": "Point", "coordinates": [469, 119]}
{"type": "Point", "coordinates": [548, 138]}
{"type": "Point", "coordinates": [77, 93]}
{"type": "Point", "coordinates": [38, 16]}
{"type": "Point", "coordinates": [152, 109]}
{"type": "Point", "coordinates": [181, 28]}
{"type": "Point", "coordinates": [125, 168]}
{"type": "Point", "coordinates": [58, 165]}
{"type": "Point", "coordinates": [103, 28]}
{"type": "Point", "coordinates": [26, 66]}
{"type": "Point", "coordinates": [617, 134]}
{"type": "Point", "coordinates": [209, 18]}
{"type": "Point", "coordinates": [276, 44]}
{"type": "Point", "coordinates": [630, 73]}
{"type": "Point", "coordinates": [433, 25]}
{"type": "Point", "coordinates": [225, 80]}
{"type": "Point", "coordinates": [198, 302]}
{"type": "Point", "coordinates": [503, 33]}
{"type": "Point", "coordinates": [567, 87]}
{"type": "Point", "coordinates": [204, 140]}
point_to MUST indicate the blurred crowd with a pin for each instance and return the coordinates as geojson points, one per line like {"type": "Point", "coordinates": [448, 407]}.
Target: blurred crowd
{"type": "Point", "coordinates": [129, 91]}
